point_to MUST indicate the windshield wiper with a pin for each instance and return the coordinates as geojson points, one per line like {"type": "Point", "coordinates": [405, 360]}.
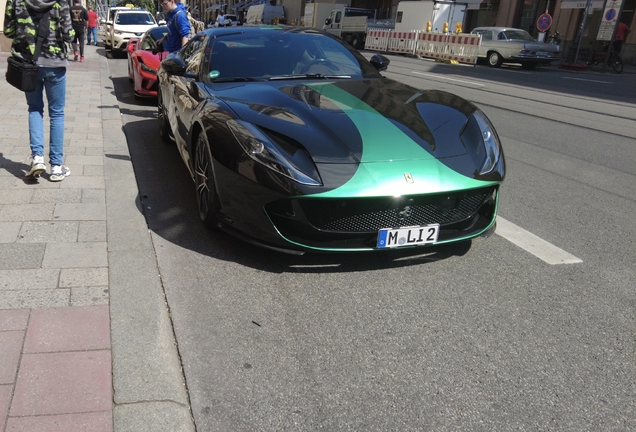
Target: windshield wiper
{"type": "Point", "coordinates": [311, 76]}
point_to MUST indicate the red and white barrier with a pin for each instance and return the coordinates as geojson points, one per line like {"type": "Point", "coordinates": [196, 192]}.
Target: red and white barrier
{"type": "Point", "coordinates": [402, 42]}
{"type": "Point", "coordinates": [377, 39]}
{"type": "Point", "coordinates": [462, 48]}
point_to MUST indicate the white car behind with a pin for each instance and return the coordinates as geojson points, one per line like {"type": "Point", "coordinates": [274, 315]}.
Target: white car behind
{"type": "Point", "coordinates": [126, 24]}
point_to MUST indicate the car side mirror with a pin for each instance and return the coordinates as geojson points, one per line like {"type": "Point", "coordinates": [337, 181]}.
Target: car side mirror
{"type": "Point", "coordinates": [174, 65]}
{"type": "Point", "coordinates": [380, 62]}
{"type": "Point", "coordinates": [157, 49]}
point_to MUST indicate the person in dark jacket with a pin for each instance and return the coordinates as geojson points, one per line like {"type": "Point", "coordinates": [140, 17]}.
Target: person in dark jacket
{"type": "Point", "coordinates": [21, 24]}
{"type": "Point", "coordinates": [79, 16]}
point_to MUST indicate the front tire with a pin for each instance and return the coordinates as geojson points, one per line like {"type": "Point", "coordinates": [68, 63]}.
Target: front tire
{"type": "Point", "coordinates": [494, 59]}
{"type": "Point", "coordinates": [354, 42]}
{"type": "Point", "coordinates": [207, 198]}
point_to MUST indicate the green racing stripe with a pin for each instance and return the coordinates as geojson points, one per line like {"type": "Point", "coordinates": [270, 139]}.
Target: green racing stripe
{"type": "Point", "coordinates": [389, 156]}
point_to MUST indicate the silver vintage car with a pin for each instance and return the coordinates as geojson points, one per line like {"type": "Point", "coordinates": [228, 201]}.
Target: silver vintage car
{"type": "Point", "coordinates": [509, 45]}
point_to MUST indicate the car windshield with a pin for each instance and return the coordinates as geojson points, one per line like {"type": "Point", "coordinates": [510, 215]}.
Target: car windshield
{"type": "Point", "coordinates": [158, 32]}
{"type": "Point", "coordinates": [278, 54]}
{"type": "Point", "coordinates": [134, 19]}
{"type": "Point", "coordinates": [113, 12]}
{"type": "Point", "coordinates": [517, 35]}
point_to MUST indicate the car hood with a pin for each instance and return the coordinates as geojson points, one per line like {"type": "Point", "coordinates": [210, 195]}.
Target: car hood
{"type": "Point", "coordinates": [137, 29]}
{"type": "Point", "coordinates": [150, 59]}
{"type": "Point", "coordinates": [354, 121]}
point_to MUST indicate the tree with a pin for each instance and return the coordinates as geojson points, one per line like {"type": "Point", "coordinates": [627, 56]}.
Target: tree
{"type": "Point", "coordinates": [149, 5]}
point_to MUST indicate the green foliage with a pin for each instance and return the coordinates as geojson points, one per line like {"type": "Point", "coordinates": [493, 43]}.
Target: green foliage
{"type": "Point", "coordinates": [149, 5]}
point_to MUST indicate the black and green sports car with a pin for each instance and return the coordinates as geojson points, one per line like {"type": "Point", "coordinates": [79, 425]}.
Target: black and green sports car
{"type": "Point", "coordinates": [297, 143]}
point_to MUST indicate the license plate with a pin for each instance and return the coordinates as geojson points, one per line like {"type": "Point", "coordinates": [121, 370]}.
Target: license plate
{"type": "Point", "coordinates": [542, 53]}
{"type": "Point", "coordinates": [407, 236]}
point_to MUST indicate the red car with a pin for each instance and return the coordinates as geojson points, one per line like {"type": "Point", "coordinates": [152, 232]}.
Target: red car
{"type": "Point", "coordinates": [143, 64]}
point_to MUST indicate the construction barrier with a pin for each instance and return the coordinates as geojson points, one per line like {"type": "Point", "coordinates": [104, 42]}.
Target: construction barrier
{"type": "Point", "coordinates": [432, 45]}
{"type": "Point", "coordinates": [462, 48]}
{"type": "Point", "coordinates": [402, 42]}
{"type": "Point", "coordinates": [377, 39]}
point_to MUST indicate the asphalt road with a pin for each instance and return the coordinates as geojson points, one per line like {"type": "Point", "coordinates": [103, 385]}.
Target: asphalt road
{"type": "Point", "coordinates": [484, 336]}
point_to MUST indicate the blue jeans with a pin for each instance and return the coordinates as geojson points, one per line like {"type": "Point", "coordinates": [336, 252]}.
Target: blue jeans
{"type": "Point", "coordinates": [92, 31]}
{"type": "Point", "coordinates": [53, 81]}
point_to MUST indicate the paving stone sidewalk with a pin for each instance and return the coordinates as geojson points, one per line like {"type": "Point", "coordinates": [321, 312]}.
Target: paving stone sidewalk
{"type": "Point", "coordinates": [86, 342]}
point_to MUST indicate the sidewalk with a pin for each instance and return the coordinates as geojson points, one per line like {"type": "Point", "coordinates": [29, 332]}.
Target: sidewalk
{"type": "Point", "coordinates": [87, 342]}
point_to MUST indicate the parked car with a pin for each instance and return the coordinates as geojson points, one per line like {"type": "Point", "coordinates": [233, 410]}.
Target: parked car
{"type": "Point", "coordinates": [230, 21]}
{"type": "Point", "coordinates": [144, 60]}
{"type": "Point", "coordinates": [108, 22]}
{"type": "Point", "coordinates": [297, 143]}
{"type": "Point", "coordinates": [509, 45]}
{"type": "Point", "coordinates": [128, 23]}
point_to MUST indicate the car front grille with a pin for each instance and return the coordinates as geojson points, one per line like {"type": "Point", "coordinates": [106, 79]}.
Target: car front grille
{"type": "Point", "coordinates": [360, 215]}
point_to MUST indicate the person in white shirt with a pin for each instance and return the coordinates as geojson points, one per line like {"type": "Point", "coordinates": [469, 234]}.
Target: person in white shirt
{"type": "Point", "coordinates": [220, 20]}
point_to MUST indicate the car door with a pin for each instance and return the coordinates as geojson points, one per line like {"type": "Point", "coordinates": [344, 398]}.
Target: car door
{"type": "Point", "coordinates": [486, 41]}
{"type": "Point", "coordinates": [185, 91]}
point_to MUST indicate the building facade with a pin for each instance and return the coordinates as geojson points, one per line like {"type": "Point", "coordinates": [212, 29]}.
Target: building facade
{"type": "Point", "coordinates": [568, 16]}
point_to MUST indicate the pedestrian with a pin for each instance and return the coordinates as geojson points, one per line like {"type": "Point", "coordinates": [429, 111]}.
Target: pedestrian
{"type": "Point", "coordinates": [21, 23]}
{"type": "Point", "coordinates": [93, 20]}
{"type": "Point", "coordinates": [622, 30]}
{"type": "Point", "coordinates": [220, 20]}
{"type": "Point", "coordinates": [178, 26]}
{"type": "Point", "coordinates": [79, 16]}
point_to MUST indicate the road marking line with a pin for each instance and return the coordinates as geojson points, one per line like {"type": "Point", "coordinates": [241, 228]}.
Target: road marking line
{"type": "Point", "coordinates": [449, 79]}
{"type": "Point", "coordinates": [589, 80]}
{"type": "Point", "coordinates": [535, 245]}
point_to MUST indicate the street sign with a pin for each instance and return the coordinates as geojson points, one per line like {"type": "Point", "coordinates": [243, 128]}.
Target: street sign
{"type": "Point", "coordinates": [609, 21]}
{"type": "Point", "coordinates": [544, 22]}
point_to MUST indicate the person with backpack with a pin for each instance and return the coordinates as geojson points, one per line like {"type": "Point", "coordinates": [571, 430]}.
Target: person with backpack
{"type": "Point", "coordinates": [178, 26]}
{"type": "Point", "coordinates": [79, 16]}
{"type": "Point", "coordinates": [22, 24]}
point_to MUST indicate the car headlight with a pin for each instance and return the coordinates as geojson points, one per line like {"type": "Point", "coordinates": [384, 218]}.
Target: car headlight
{"type": "Point", "coordinates": [289, 160]}
{"type": "Point", "coordinates": [480, 136]}
{"type": "Point", "coordinates": [145, 68]}
{"type": "Point", "coordinates": [117, 32]}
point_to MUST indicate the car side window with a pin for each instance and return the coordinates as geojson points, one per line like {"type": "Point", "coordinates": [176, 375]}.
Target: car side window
{"type": "Point", "coordinates": [192, 54]}
{"type": "Point", "coordinates": [501, 36]}
{"type": "Point", "coordinates": [146, 43]}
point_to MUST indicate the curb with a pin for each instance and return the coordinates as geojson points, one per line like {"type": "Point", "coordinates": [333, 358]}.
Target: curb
{"type": "Point", "coordinates": [149, 392]}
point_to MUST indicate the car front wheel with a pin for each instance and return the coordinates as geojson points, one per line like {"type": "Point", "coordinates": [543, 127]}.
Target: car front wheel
{"type": "Point", "coordinates": [494, 59]}
{"type": "Point", "coordinates": [207, 198]}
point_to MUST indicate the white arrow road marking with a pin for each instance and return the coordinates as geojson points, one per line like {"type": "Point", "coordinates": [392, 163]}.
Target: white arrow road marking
{"type": "Point", "coordinates": [533, 244]}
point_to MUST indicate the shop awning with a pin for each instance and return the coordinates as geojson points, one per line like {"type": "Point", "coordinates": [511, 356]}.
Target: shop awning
{"type": "Point", "coordinates": [237, 6]}
{"type": "Point", "coordinates": [250, 3]}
